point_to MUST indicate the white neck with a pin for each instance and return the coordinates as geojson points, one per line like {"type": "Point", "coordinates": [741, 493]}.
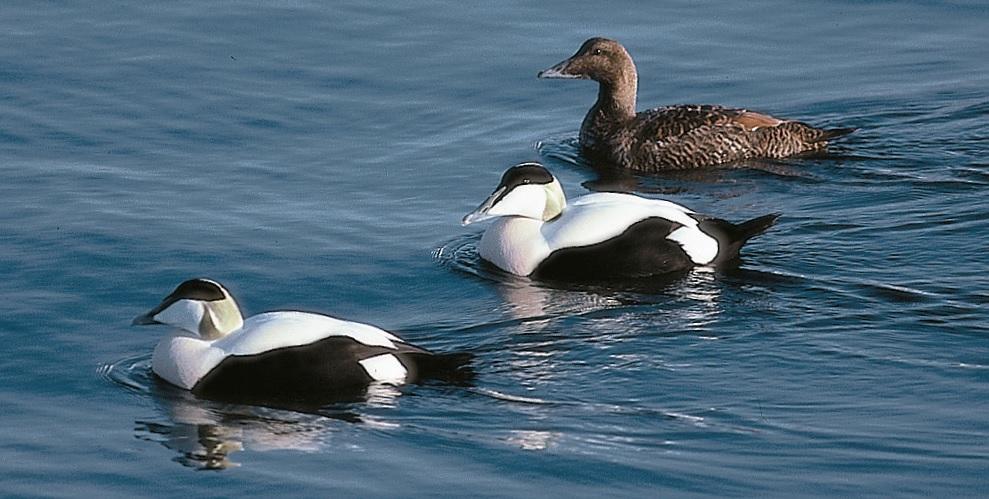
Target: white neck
{"type": "Point", "coordinates": [556, 200]}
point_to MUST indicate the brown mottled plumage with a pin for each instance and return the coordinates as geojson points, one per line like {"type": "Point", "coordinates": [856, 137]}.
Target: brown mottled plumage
{"type": "Point", "coordinates": [673, 137]}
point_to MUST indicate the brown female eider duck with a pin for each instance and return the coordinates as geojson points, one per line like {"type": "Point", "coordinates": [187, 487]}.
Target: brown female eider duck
{"type": "Point", "coordinates": [673, 137]}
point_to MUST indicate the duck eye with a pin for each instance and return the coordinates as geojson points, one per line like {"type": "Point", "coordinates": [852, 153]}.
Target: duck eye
{"type": "Point", "coordinates": [597, 52]}
{"type": "Point", "coordinates": [525, 181]}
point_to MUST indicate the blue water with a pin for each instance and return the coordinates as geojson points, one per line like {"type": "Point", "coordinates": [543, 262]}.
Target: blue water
{"type": "Point", "coordinates": [320, 156]}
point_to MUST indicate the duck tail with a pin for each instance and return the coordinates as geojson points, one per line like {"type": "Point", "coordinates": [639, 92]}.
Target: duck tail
{"type": "Point", "coordinates": [452, 367]}
{"type": "Point", "coordinates": [731, 236]}
{"type": "Point", "coordinates": [751, 228]}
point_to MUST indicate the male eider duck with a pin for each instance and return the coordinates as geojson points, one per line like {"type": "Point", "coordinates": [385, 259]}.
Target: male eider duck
{"type": "Point", "coordinates": [673, 137]}
{"type": "Point", "coordinates": [599, 236]}
{"type": "Point", "coordinates": [285, 355]}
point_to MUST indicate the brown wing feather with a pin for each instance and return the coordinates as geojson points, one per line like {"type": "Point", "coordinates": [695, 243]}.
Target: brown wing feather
{"type": "Point", "coordinates": [753, 121]}
{"type": "Point", "coordinates": [670, 121]}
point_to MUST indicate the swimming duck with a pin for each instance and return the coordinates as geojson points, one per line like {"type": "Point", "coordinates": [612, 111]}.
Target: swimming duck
{"type": "Point", "coordinates": [599, 236]}
{"type": "Point", "coordinates": [672, 137]}
{"type": "Point", "coordinates": [285, 355]}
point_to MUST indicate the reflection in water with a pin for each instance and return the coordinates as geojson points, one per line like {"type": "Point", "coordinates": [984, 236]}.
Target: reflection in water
{"type": "Point", "coordinates": [545, 341]}
{"type": "Point", "coordinates": [525, 300]}
{"type": "Point", "coordinates": [701, 287]}
{"type": "Point", "coordinates": [549, 321]}
{"type": "Point", "coordinates": [538, 304]}
{"type": "Point", "coordinates": [533, 440]}
{"type": "Point", "coordinates": [205, 433]}
{"type": "Point", "coordinates": [199, 446]}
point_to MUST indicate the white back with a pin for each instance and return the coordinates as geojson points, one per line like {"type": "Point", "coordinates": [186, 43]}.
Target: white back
{"type": "Point", "coordinates": [595, 218]}
{"type": "Point", "coordinates": [272, 330]}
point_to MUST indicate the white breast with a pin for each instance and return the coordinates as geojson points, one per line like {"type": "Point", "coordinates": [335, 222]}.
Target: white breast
{"type": "Point", "coordinates": [514, 244]}
{"type": "Point", "coordinates": [182, 359]}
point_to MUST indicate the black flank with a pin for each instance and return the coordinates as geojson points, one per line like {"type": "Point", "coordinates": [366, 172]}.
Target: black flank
{"type": "Point", "coordinates": [641, 250]}
{"type": "Point", "coordinates": [326, 366]}
{"type": "Point", "coordinates": [327, 369]}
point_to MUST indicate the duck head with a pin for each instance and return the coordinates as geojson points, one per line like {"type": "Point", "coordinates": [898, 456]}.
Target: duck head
{"type": "Point", "coordinates": [200, 306]}
{"type": "Point", "coordinates": [526, 190]}
{"type": "Point", "coordinates": [600, 59]}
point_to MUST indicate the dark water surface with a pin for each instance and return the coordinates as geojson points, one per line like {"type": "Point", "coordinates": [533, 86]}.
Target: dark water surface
{"type": "Point", "coordinates": [320, 155]}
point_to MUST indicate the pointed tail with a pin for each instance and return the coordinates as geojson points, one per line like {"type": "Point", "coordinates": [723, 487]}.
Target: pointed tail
{"type": "Point", "coordinates": [751, 228]}
{"type": "Point", "coordinates": [731, 236]}
{"type": "Point", "coordinates": [453, 367]}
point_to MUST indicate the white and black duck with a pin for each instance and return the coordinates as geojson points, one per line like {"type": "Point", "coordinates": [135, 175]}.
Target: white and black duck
{"type": "Point", "coordinates": [673, 137]}
{"type": "Point", "coordinates": [284, 355]}
{"type": "Point", "coordinates": [599, 236]}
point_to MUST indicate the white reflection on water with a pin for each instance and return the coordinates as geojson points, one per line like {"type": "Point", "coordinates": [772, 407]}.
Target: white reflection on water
{"type": "Point", "coordinates": [205, 433]}
{"type": "Point", "coordinates": [526, 299]}
{"type": "Point", "coordinates": [703, 290]}
{"type": "Point", "coordinates": [533, 440]}
{"type": "Point", "coordinates": [205, 437]}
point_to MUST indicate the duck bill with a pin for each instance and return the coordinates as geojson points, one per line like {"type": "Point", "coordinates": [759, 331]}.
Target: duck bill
{"type": "Point", "coordinates": [145, 319]}
{"type": "Point", "coordinates": [560, 71]}
{"type": "Point", "coordinates": [481, 213]}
